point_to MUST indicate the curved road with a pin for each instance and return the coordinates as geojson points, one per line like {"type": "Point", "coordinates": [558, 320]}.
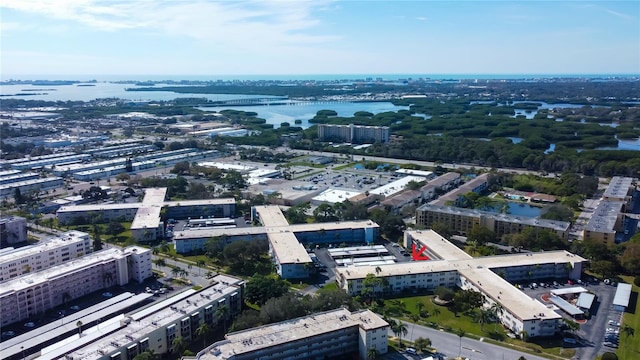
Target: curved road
{"type": "Point", "coordinates": [450, 344]}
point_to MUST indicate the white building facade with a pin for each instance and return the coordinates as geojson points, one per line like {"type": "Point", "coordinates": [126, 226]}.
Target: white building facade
{"type": "Point", "coordinates": [24, 260]}
{"type": "Point", "coordinates": [35, 293]}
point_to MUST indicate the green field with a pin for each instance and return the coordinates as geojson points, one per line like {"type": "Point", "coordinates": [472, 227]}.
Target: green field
{"type": "Point", "coordinates": [630, 345]}
{"type": "Point", "coordinates": [492, 332]}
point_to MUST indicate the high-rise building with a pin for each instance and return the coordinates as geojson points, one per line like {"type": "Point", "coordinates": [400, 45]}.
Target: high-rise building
{"type": "Point", "coordinates": [356, 134]}
{"type": "Point", "coordinates": [37, 292]}
{"type": "Point", "coordinates": [24, 260]}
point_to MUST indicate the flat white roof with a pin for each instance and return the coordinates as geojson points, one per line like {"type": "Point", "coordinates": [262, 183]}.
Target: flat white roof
{"type": "Point", "coordinates": [89, 260]}
{"type": "Point", "coordinates": [396, 186]}
{"type": "Point", "coordinates": [565, 305]}
{"type": "Point", "coordinates": [147, 217]}
{"type": "Point", "coordinates": [44, 246]}
{"type": "Point", "coordinates": [618, 187]}
{"type": "Point", "coordinates": [415, 172]}
{"type": "Point", "coordinates": [251, 340]}
{"type": "Point", "coordinates": [585, 301]}
{"type": "Point", "coordinates": [623, 293]}
{"type": "Point", "coordinates": [571, 290]}
{"type": "Point", "coordinates": [271, 216]}
{"type": "Point", "coordinates": [287, 248]}
{"type": "Point", "coordinates": [226, 166]}
{"type": "Point", "coordinates": [333, 196]}
{"type": "Point", "coordinates": [30, 182]}
{"type": "Point", "coordinates": [163, 313]}
{"type": "Point", "coordinates": [154, 196]}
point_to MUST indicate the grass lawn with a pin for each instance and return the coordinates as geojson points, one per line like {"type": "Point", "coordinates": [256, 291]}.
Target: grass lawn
{"type": "Point", "coordinates": [349, 165]}
{"type": "Point", "coordinates": [630, 346]}
{"type": "Point", "coordinates": [491, 332]}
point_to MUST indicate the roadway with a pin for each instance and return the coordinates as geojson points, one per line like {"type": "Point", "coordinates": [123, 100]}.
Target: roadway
{"type": "Point", "coordinates": [417, 162]}
{"type": "Point", "coordinates": [450, 345]}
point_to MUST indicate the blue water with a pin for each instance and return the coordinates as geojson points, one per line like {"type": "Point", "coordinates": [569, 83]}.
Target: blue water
{"type": "Point", "coordinates": [277, 114]}
{"type": "Point", "coordinates": [299, 77]}
{"type": "Point", "coordinates": [104, 90]}
{"type": "Point", "coordinates": [521, 209]}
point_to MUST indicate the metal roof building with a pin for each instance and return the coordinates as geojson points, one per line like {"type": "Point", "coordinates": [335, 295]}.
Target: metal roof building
{"type": "Point", "coordinates": [621, 299]}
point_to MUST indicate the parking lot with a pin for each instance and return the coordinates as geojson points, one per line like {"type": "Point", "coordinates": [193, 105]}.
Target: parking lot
{"type": "Point", "coordinates": [600, 331]}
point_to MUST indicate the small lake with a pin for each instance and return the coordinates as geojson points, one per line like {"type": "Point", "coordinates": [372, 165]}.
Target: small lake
{"type": "Point", "coordinates": [521, 209]}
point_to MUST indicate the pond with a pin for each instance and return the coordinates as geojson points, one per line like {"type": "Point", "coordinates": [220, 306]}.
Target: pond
{"type": "Point", "coordinates": [521, 209]}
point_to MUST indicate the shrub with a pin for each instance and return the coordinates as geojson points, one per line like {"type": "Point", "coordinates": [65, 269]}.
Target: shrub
{"type": "Point", "coordinates": [609, 356]}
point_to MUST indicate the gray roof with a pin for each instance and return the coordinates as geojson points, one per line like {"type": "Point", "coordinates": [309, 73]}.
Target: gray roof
{"type": "Point", "coordinates": [585, 300]}
{"type": "Point", "coordinates": [623, 293]}
{"type": "Point", "coordinates": [604, 217]}
{"type": "Point", "coordinates": [565, 306]}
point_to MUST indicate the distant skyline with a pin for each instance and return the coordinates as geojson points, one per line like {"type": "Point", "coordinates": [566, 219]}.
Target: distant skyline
{"type": "Point", "coordinates": [225, 38]}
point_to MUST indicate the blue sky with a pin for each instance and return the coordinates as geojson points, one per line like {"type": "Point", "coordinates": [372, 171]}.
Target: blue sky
{"type": "Point", "coordinates": [205, 37]}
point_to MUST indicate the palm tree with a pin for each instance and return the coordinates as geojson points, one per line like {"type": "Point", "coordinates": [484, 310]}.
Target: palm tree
{"type": "Point", "coordinates": [399, 328]}
{"type": "Point", "coordinates": [627, 331]}
{"type": "Point", "coordinates": [372, 354]}
{"type": "Point", "coordinates": [482, 317]}
{"type": "Point", "coordinates": [460, 332]}
{"type": "Point", "coordinates": [176, 271]}
{"type": "Point", "coordinates": [222, 313]}
{"type": "Point", "coordinates": [155, 250]}
{"type": "Point", "coordinates": [178, 344]}
{"type": "Point", "coordinates": [200, 264]}
{"type": "Point", "coordinates": [420, 308]}
{"type": "Point", "coordinates": [496, 310]}
{"type": "Point", "coordinates": [79, 326]}
{"type": "Point", "coordinates": [378, 270]}
{"type": "Point", "coordinates": [414, 318]}
{"type": "Point", "coordinates": [160, 262]}
{"type": "Point", "coordinates": [435, 312]}
{"type": "Point", "coordinates": [203, 330]}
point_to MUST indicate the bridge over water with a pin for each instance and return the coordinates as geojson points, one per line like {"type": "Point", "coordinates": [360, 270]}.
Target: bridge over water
{"type": "Point", "coordinates": [271, 101]}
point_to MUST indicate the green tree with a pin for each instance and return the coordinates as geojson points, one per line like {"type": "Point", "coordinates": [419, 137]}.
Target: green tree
{"type": "Point", "coordinates": [627, 331]}
{"type": "Point", "coordinates": [160, 262]}
{"type": "Point", "coordinates": [261, 288]}
{"type": "Point", "coordinates": [222, 313]}
{"type": "Point", "coordinates": [609, 356]}
{"type": "Point", "coordinates": [178, 345]}
{"type": "Point", "coordinates": [444, 294]}
{"type": "Point", "coordinates": [203, 330]}
{"type": "Point", "coordinates": [372, 354]}
{"type": "Point", "coordinates": [399, 329]}
{"type": "Point", "coordinates": [97, 240]}
{"type": "Point", "coordinates": [114, 228]}
{"type": "Point", "coordinates": [480, 235]}
{"type": "Point", "coordinates": [422, 344]}
{"type": "Point", "coordinates": [461, 333]}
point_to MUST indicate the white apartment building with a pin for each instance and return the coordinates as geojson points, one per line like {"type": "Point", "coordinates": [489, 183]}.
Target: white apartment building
{"type": "Point", "coordinates": [37, 292]}
{"type": "Point", "coordinates": [329, 334]}
{"type": "Point", "coordinates": [24, 260]}
{"type": "Point", "coordinates": [146, 223]}
{"type": "Point", "coordinates": [31, 185]}
{"type": "Point", "coordinates": [13, 230]}
{"type": "Point", "coordinates": [447, 265]}
{"type": "Point", "coordinates": [156, 326]}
